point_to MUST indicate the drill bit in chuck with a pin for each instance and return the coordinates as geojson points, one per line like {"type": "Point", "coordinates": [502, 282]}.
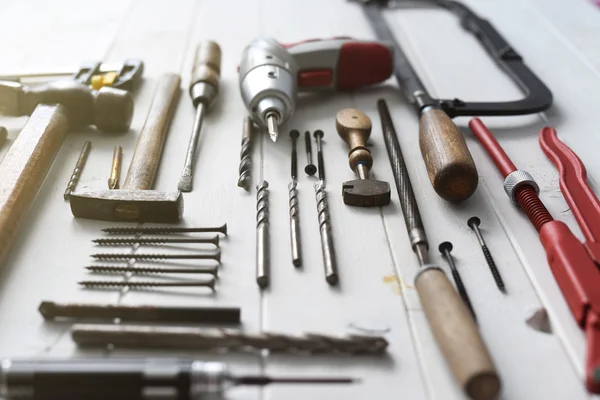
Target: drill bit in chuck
{"type": "Point", "coordinates": [224, 339]}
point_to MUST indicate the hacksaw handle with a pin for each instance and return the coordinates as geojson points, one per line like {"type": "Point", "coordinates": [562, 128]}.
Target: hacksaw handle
{"type": "Point", "coordinates": [146, 158]}
{"type": "Point", "coordinates": [457, 335]}
{"type": "Point", "coordinates": [449, 163]}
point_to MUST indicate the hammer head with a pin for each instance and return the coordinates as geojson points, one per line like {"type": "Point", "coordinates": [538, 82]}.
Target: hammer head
{"type": "Point", "coordinates": [128, 205]}
{"type": "Point", "coordinates": [366, 193]}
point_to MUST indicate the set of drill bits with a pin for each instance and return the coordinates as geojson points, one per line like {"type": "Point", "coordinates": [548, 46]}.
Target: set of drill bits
{"type": "Point", "coordinates": [140, 237]}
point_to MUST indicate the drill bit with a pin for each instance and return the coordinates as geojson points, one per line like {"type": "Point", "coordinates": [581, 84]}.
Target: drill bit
{"type": "Point", "coordinates": [245, 155]}
{"type": "Point", "coordinates": [273, 119]}
{"type": "Point", "coordinates": [329, 259]}
{"type": "Point", "coordinates": [76, 174]}
{"type": "Point", "coordinates": [224, 339]}
{"type": "Point", "coordinates": [115, 168]}
{"type": "Point", "coordinates": [153, 241]}
{"type": "Point", "coordinates": [262, 235]}
{"type": "Point", "coordinates": [210, 283]}
{"type": "Point", "coordinates": [204, 89]}
{"type": "Point", "coordinates": [140, 313]}
{"type": "Point", "coordinates": [115, 269]}
{"type": "Point", "coordinates": [293, 205]}
{"type": "Point", "coordinates": [160, 230]}
{"type": "Point", "coordinates": [126, 256]}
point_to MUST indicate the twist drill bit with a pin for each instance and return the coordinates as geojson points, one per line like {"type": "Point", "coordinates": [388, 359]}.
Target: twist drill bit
{"type": "Point", "coordinates": [163, 230]}
{"type": "Point", "coordinates": [474, 223]}
{"type": "Point", "coordinates": [262, 235]}
{"type": "Point", "coordinates": [115, 168]}
{"type": "Point", "coordinates": [142, 313]}
{"type": "Point", "coordinates": [113, 269]}
{"type": "Point", "coordinates": [224, 339]}
{"type": "Point", "coordinates": [152, 241]}
{"type": "Point", "coordinates": [329, 259]}
{"type": "Point", "coordinates": [294, 203]}
{"type": "Point", "coordinates": [245, 155]}
{"type": "Point", "coordinates": [76, 174]}
{"type": "Point", "coordinates": [126, 256]}
{"type": "Point", "coordinates": [210, 283]}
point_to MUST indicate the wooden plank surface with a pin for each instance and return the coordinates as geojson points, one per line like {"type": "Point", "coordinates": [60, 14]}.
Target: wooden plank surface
{"type": "Point", "coordinates": [376, 264]}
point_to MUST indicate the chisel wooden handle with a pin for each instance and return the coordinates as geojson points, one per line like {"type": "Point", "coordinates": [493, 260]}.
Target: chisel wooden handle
{"type": "Point", "coordinates": [457, 335]}
{"type": "Point", "coordinates": [451, 168]}
{"type": "Point", "coordinates": [146, 157]}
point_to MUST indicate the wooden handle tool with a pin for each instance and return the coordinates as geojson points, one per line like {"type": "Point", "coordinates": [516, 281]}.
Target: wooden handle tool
{"type": "Point", "coordinates": [449, 163]}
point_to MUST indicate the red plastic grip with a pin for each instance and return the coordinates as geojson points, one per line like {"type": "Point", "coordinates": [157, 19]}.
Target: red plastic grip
{"type": "Point", "coordinates": [363, 64]}
{"type": "Point", "coordinates": [492, 147]}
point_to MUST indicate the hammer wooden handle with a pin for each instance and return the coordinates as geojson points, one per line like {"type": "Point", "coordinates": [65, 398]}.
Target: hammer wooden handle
{"type": "Point", "coordinates": [451, 168]}
{"type": "Point", "coordinates": [24, 167]}
{"type": "Point", "coordinates": [457, 335]}
{"type": "Point", "coordinates": [146, 158]}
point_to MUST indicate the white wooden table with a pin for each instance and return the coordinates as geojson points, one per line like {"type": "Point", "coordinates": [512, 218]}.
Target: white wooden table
{"type": "Point", "coordinates": [559, 41]}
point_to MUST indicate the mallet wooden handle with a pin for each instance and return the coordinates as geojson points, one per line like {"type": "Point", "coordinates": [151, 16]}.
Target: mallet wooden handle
{"type": "Point", "coordinates": [451, 168]}
{"type": "Point", "coordinates": [24, 167]}
{"type": "Point", "coordinates": [146, 158]}
{"type": "Point", "coordinates": [457, 335]}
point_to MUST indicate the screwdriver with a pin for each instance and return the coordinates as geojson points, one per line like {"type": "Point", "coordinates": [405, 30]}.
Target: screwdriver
{"type": "Point", "coordinates": [204, 88]}
{"type": "Point", "coordinates": [128, 379]}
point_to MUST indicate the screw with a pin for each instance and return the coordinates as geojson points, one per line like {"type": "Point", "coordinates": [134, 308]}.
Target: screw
{"type": "Point", "coordinates": [111, 269]}
{"type": "Point", "coordinates": [107, 284]}
{"type": "Point", "coordinates": [294, 135]}
{"type": "Point", "coordinates": [310, 168]}
{"type": "Point", "coordinates": [160, 230]}
{"type": "Point", "coordinates": [318, 137]}
{"type": "Point", "coordinates": [474, 223]}
{"type": "Point", "coordinates": [150, 241]}
{"type": "Point", "coordinates": [126, 256]}
{"type": "Point", "coordinates": [445, 248]}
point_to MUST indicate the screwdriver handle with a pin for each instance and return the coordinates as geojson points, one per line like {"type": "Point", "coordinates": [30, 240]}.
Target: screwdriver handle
{"type": "Point", "coordinates": [206, 73]}
{"type": "Point", "coordinates": [354, 127]}
{"type": "Point", "coordinates": [457, 335]}
{"type": "Point", "coordinates": [449, 163]}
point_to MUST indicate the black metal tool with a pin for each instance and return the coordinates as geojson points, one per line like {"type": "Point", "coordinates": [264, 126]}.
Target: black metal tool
{"type": "Point", "coordinates": [447, 158]}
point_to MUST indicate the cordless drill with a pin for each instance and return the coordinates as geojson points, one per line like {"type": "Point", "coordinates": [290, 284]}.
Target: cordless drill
{"type": "Point", "coordinates": [271, 74]}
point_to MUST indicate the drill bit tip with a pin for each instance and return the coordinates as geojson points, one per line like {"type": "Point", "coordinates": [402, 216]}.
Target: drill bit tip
{"type": "Point", "coordinates": [272, 125]}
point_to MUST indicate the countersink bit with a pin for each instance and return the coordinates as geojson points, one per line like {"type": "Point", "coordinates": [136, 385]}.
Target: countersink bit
{"type": "Point", "coordinates": [310, 168]}
{"type": "Point", "coordinates": [140, 313]}
{"type": "Point", "coordinates": [115, 168]}
{"type": "Point", "coordinates": [263, 258]}
{"type": "Point", "coordinates": [76, 174]}
{"type": "Point", "coordinates": [327, 247]}
{"type": "Point", "coordinates": [474, 223]}
{"type": "Point", "coordinates": [224, 339]}
{"type": "Point", "coordinates": [114, 269]}
{"type": "Point", "coordinates": [126, 256]}
{"type": "Point", "coordinates": [210, 283]}
{"type": "Point", "coordinates": [245, 155]}
{"type": "Point", "coordinates": [293, 205]}
{"type": "Point", "coordinates": [163, 230]}
{"type": "Point", "coordinates": [445, 248]}
{"type": "Point", "coordinates": [154, 241]}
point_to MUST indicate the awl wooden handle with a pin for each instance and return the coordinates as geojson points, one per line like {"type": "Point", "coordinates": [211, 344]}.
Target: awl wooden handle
{"type": "Point", "coordinates": [449, 163]}
{"type": "Point", "coordinates": [457, 335]}
{"type": "Point", "coordinates": [146, 158]}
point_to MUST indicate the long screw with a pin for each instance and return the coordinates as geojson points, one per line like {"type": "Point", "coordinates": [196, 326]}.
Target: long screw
{"type": "Point", "coordinates": [113, 269]}
{"type": "Point", "coordinates": [108, 284]}
{"type": "Point", "coordinates": [224, 339]}
{"type": "Point", "coordinates": [327, 247]}
{"type": "Point", "coordinates": [115, 168]}
{"type": "Point", "coordinates": [319, 137]}
{"type": "Point", "coordinates": [160, 230]}
{"type": "Point", "coordinates": [310, 168]}
{"type": "Point", "coordinates": [246, 155]}
{"type": "Point", "coordinates": [126, 256]}
{"type": "Point", "coordinates": [76, 174]}
{"type": "Point", "coordinates": [473, 223]}
{"type": "Point", "coordinates": [152, 241]}
{"type": "Point", "coordinates": [263, 258]}
{"type": "Point", "coordinates": [445, 248]}
{"type": "Point", "coordinates": [293, 205]}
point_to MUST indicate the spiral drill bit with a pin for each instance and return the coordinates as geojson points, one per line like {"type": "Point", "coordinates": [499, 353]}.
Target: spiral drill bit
{"type": "Point", "coordinates": [76, 174]}
{"type": "Point", "coordinates": [126, 256]}
{"type": "Point", "coordinates": [115, 269]}
{"type": "Point", "coordinates": [210, 283]}
{"type": "Point", "coordinates": [293, 204]}
{"type": "Point", "coordinates": [163, 230]}
{"type": "Point", "coordinates": [153, 241]}
{"type": "Point", "coordinates": [329, 259]}
{"type": "Point", "coordinates": [224, 339]}
{"type": "Point", "coordinates": [245, 155]}
{"type": "Point", "coordinates": [262, 235]}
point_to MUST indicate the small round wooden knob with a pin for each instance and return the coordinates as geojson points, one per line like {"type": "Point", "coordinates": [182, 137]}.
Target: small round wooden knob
{"type": "Point", "coordinates": [354, 127]}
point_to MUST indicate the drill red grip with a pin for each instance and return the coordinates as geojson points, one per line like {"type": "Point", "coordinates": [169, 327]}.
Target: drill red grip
{"type": "Point", "coordinates": [492, 147]}
{"type": "Point", "coordinates": [362, 64]}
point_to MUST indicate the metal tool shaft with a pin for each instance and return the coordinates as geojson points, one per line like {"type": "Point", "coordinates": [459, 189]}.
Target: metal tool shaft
{"type": "Point", "coordinates": [186, 180]}
{"type": "Point", "coordinates": [115, 168]}
{"type": "Point", "coordinates": [224, 339]}
{"type": "Point", "coordinates": [327, 247]}
{"type": "Point", "coordinates": [76, 174]}
{"type": "Point", "coordinates": [246, 155]}
{"type": "Point", "coordinates": [263, 257]}
{"type": "Point", "coordinates": [295, 223]}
